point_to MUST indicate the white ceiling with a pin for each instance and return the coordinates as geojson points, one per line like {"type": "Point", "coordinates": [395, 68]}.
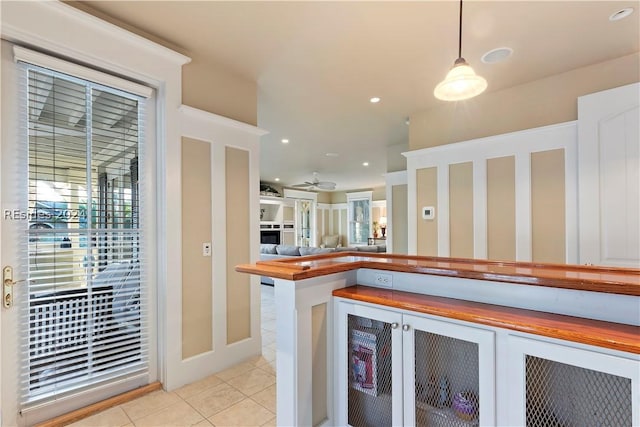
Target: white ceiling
{"type": "Point", "coordinates": [318, 63]}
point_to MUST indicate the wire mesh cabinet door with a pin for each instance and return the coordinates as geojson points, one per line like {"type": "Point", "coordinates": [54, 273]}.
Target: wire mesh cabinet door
{"type": "Point", "coordinates": [449, 373]}
{"type": "Point", "coordinates": [571, 385]}
{"type": "Point", "coordinates": [369, 366]}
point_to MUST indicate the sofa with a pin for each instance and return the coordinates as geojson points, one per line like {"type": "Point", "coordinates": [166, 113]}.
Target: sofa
{"type": "Point", "coordinates": [272, 251]}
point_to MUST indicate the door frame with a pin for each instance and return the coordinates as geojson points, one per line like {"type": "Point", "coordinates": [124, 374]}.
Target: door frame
{"type": "Point", "coordinates": [71, 33]}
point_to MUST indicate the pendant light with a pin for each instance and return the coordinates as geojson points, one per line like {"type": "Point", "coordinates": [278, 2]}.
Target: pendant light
{"type": "Point", "coordinates": [461, 81]}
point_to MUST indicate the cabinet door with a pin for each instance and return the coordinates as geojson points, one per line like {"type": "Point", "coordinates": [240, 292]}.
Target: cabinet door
{"type": "Point", "coordinates": [449, 374]}
{"type": "Point", "coordinates": [554, 384]}
{"type": "Point", "coordinates": [609, 177]}
{"type": "Point", "coordinates": [369, 366]}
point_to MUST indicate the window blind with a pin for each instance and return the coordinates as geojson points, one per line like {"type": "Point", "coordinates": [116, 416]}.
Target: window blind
{"type": "Point", "coordinates": [85, 314]}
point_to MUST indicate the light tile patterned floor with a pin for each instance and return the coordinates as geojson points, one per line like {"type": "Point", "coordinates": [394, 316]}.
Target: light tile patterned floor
{"type": "Point", "coordinates": [243, 395]}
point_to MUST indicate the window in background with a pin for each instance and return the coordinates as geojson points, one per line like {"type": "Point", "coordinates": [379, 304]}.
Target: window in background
{"type": "Point", "coordinates": [359, 211]}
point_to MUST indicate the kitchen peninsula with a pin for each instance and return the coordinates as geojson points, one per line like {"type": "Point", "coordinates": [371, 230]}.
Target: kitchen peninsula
{"type": "Point", "coordinates": [388, 339]}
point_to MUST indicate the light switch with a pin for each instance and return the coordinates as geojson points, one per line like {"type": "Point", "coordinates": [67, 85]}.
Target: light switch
{"type": "Point", "coordinates": [206, 249]}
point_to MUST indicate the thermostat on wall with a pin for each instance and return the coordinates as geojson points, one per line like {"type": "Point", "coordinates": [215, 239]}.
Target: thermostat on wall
{"type": "Point", "coordinates": [428, 212]}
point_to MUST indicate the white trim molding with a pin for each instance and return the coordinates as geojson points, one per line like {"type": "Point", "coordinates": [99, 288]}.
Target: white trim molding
{"type": "Point", "coordinates": [211, 118]}
{"type": "Point", "coordinates": [519, 144]}
{"type": "Point", "coordinates": [220, 132]}
{"type": "Point", "coordinates": [51, 62]}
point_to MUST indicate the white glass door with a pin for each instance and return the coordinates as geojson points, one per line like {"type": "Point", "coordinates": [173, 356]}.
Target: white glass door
{"type": "Point", "coordinates": [76, 329]}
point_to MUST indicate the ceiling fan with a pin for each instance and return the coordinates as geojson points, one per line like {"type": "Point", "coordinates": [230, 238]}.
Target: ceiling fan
{"type": "Point", "coordinates": [316, 183]}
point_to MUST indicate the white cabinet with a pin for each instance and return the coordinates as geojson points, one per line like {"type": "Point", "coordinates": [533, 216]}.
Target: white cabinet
{"type": "Point", "coordinates": [288, 224]}
{"type": "Point", "coordinates": [395, 368]}
{"type": "Point", "coordinates": [277, 220]}
{"type": "Point", "coordinates": [555, 384]}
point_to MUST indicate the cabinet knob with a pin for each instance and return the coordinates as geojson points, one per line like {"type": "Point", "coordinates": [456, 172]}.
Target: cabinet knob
{"type": "Point", "coordinates": [405, 327]}
{"type": "Point", "coordinates": [394, 325]}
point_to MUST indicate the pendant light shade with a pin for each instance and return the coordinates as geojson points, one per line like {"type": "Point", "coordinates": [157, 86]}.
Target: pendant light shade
{"type": "Point", "coordinates": [461, 81]}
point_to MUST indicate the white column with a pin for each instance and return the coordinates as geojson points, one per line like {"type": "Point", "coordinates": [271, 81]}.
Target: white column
{"type": "Point", "coordinates": [294, 301]}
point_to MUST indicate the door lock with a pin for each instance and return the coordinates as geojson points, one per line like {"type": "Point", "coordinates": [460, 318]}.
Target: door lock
{"type": "Point", "coordinates": [7, 286]}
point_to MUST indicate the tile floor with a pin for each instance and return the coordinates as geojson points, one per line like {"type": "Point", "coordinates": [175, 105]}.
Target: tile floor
{"type": "Point", "coordinates": [243, 395]}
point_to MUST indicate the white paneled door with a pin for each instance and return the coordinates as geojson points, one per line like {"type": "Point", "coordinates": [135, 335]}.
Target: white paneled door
{"type": "Point", "coordinates": [609, 177]}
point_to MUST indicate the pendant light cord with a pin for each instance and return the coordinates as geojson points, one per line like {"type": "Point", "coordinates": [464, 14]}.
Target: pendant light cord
{"type": "Point", "coordinates": [460, 33]}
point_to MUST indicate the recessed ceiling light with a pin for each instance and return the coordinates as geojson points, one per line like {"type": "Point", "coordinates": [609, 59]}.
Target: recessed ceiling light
{"type": "Point", "coordinates": [621, 14]}
{"type": "Point", "coordinates": [277, 179]}
{"type": "Point", "coordinates": [365, 164]}
{"type": "Point", "coordinates": [496, 55]}
{"type": "Point", "coordinates": [374, 100]}
{"type": "Point", "coordinates": [331, 154]}
{"type": "Point", "coordinates": [285, 141]}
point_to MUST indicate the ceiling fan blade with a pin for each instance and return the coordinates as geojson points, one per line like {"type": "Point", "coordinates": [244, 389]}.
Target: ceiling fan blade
{"type": "Point", "coordinates": [324, 185]}
{"type": "Point", "coordinates": [316, 183]}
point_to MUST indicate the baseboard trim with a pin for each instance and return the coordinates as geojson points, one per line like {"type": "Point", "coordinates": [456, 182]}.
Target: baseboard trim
{"type": "Point", "coordinates": [78, 414]}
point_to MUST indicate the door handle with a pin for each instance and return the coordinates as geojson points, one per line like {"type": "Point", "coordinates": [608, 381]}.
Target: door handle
{"type": "Point", "coordinates": [7, 286]}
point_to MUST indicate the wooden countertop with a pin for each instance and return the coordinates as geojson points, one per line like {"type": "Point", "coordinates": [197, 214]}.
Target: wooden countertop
{"type": "Point", "coordinates": [614, 336]}
{"type": "Point", "coordinates": [625, 281]}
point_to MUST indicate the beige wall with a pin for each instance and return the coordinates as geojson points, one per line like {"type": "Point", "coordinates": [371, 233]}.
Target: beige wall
{"type": "Point", "coordinates": [196, 230]}
{"type": "Point", "coordinates": [501, 208]}
{"type": "Point", "coordinates": [213, 88]}
{"type": "Point", "coordinates": [399, 215]}
{"type": "Point", "coordinates": [238, 244]}
{"type": "Point", "coordinates": [338, 197]}
{"type": "Point", "coordinates": [207, 86]}
{"type": "Point", "coordinates": [461, 210]}
{"type": "Point", "coordinates": [395, 160]}
{"type": "Point", "coordinates": [379, 193]}
{"type": "Point", "coordinates": [324, 197]}
{"type": "Point", "coordinates": [541, 102]}
{"type": "Point", "coordinates": [548, 206]}
{"type": "Point", "coordinates": [427, 192]}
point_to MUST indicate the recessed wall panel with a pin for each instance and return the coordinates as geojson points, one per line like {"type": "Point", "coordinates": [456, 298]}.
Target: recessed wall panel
{"type": "Point", "coordinates": [320, 371]}
{"type": "Point", "coordinates": [501, 208]}
{"type": "Point", "coordinates": [427, 193]}
{"type": "Point", "coordinates": [335, 227]}
{"type": "Point", "coordinates": [400, 226]}
{"type": "Point", "coordinates": [343, 227]}
{"type": "Point", "coordinates": [548, 206]}
{"type": "Point", "coordinates": [238, 244]}
{"type": "Point", "coordinates": [196, 230]}
{"type": "Point", "coordinates": [461, 210]}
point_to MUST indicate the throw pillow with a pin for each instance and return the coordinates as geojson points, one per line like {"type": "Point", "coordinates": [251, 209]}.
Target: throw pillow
{"type": "Point", "coordinates": [268, 248]}
{"type": "Point", "coordinates": [314, 251]}
{"type": "Point", "coordinates": [371, 248]}
{"type": "Point", "coordinates": [331, 241]}
{"type": "Point", "coordinates": [288, 250]}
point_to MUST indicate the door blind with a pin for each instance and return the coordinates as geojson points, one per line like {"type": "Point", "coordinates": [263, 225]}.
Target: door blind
{"type": "Point", "coordinates": [86, 307]}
